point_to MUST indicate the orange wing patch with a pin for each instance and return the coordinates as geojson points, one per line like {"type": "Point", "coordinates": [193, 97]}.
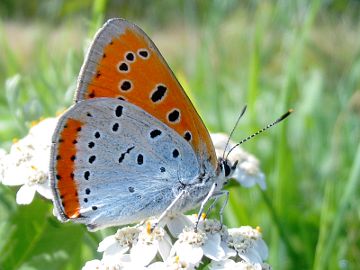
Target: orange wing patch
{"type": "Point", "coordinates": [65, 167]}
{"type": "Point", "coordinates": [131, 68]}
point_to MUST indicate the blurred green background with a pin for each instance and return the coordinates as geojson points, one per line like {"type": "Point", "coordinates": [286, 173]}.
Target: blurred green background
{"type": "Point", "coordinates": [270, 55]}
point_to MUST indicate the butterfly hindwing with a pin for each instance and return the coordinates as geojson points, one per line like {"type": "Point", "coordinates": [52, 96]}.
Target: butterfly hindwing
{"type": "Point", "coordinates": [113, 163]}
{"type": "Point", "coordinates": [124, 63]}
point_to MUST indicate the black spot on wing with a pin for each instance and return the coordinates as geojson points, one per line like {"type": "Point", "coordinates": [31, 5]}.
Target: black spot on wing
{"type": "Point", "coordinates": [159, 93]}
{"type": "Point", "coordinates": [122, 156]}
{"type": "Point", "coordinates": [154, 133]}
{"type": "Point", "coordinates": [174, 116]}
{"type": "Point", "coordinates": [119, 111]}
{"type": "Point", "coordinates": [175, 153]}
{"type": "Point", "coordinates": [187, 136]}
{"type": "Point", "coordinates": [140, 159]}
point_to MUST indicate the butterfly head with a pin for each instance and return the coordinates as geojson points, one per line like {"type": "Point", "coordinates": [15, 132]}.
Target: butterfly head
{"type": "Point", "coordinates": [226, 169]}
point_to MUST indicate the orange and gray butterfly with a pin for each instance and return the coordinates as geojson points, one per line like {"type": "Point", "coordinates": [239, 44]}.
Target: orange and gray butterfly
{"type": "Point", "coordinates": [113, 163]}
{"type": "Point", "coordinates": [124, 63]}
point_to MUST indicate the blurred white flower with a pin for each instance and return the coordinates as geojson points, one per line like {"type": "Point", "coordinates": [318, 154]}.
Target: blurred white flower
{"type": "Point", "coordinates": [141, 247]}
{"type": "Point", "coordinates": [2, 163]}
{"type": "Point", "coordinates": [247, 172]}
{"type": "Point", "coordinates": [27, 164]}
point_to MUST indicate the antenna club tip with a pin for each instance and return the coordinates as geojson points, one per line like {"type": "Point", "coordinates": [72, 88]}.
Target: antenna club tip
{"type": "Point", "coordinates": [285, 115]}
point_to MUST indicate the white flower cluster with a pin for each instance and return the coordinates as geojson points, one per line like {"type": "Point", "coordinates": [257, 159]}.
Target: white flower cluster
{"type": "Point", "coordinates": [170, 248]}
{"type": "Point", "coordinates": [27, 163]}
{"type": "Point", "coordinates": [247, 172]}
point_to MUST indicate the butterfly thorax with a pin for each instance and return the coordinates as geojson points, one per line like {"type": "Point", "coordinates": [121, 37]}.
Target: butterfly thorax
{"type": "Point", "coordinates": [199, 188]}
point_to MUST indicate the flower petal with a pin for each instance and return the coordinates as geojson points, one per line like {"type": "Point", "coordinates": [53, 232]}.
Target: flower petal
{"type": "Point", "coordinates": [222, 265]}
{"type": "Point", "coordinates": [13, 176]}
{"type": "Point", "coordinates": [189, 253]}
{"type": "Point", "coordinates": [44, 190]}
{"type": "Point", "coordinates": [251, 256]}
{"type": "Point", "coordinates": [178, 223]}
{"type": "Point", "coordinates": [262, 248]}
{"type": "Point", "coordinates": [229, 252]}
{"type": "Point", "coordinates": [91, 265]}
{"type": "Point", "coordinates": [165, 248]}
{"type": "Point", "coordinates": [143, 253]}
{"type": "Point", "coordinates": [115, 250]}
{"type": "Point", "coordinates": [212, 248]}
{"type": "Point", "coordinates": [157, 266]}
{"type": "Point", "coordinates": [25, 194]}
{"type": "Point", "coordinates": [106, 243]}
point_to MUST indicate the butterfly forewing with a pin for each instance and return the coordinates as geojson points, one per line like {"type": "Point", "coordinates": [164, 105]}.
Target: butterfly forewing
{"type": "Point", "coordinates": [124, 63]}
{"type": "Point", "coordinates": [113, 163]}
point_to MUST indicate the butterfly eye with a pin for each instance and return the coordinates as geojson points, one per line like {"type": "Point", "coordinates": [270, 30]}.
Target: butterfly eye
{"type": "Point", "coordinates": [226, 169]}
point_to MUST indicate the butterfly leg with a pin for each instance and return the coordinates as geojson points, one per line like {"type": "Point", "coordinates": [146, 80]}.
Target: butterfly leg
{"type": "Point", "coordinates": [226, 193]}
{"type": "Point", "coordinates": [202, 206]}
{"type": "Point", "coordinates": [216, 197]}
{"type": "Point", "coordinates": [168, 209]}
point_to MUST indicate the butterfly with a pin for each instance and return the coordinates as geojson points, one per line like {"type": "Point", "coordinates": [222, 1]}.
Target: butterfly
{"type": "Point", "coordinates": [132, 145]}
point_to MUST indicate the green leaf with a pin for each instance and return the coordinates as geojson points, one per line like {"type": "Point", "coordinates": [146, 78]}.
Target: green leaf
{"type": "Point", "coordinates": [35, 241]}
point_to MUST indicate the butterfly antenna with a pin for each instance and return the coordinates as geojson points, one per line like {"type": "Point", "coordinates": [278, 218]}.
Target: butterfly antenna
{"type": "Point", "coordinates": [232, 131]}
{"type": "Point", "coordinates": [285, 115]}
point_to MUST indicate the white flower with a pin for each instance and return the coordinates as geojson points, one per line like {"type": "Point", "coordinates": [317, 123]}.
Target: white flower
{"type": "Point", "coordinates": [248, 243]}
{"type": "Point", "coordinates": [172, 263]}
{"type": "Point", "coordinates": [27, 164]}
{"type": "Point", "coordinates": [92, 265]}
{"type": "Point", "coordinates": [115, 246]}
{"type": "Point", "coordinates": [211, 226]}
{"type": "Point", "coordinates": [232, 265]}
{"type": "Point", "coordinates": [192, 245]}
{"type": "Point", "coordinates": [177, 222]}
{"type": "Point", "coordinates": [135, 247]}
{"type": "Point", "coordinates": [144, 247]}
{"type": "Point", "coordinates": [2, 163]}
{"type": "Point", "coordinates": [247, 172]}
{"type": "Point", "coordinates": [149, 244]}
